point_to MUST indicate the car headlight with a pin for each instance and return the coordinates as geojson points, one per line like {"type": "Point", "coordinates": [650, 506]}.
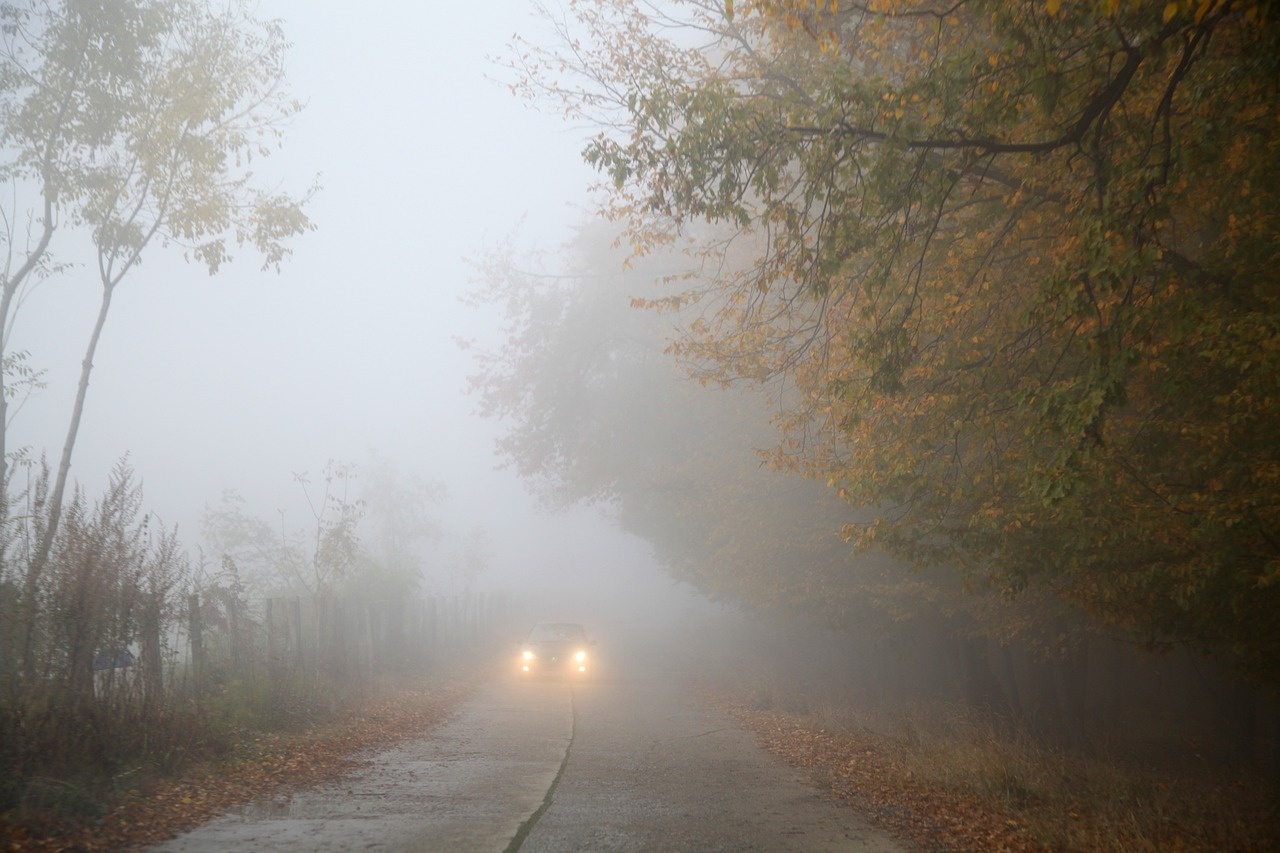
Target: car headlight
{"type": "Point", "coordinates": [527, 655]}
{"type": "Point", "coordinates": [580, 657]}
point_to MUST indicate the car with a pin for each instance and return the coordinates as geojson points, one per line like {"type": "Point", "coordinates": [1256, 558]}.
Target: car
{"type": "Point", "coordinates": [556, 648]}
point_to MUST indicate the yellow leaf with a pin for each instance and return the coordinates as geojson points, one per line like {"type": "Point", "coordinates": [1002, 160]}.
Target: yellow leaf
{"type": "Point", "coordinates": [1052, 6]}
{"type": "Point", "coordinates": [1170, 9]}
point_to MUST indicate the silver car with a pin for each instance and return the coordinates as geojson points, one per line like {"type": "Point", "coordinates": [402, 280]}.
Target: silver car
{"type": "Point", "coordinates": [556, 648]}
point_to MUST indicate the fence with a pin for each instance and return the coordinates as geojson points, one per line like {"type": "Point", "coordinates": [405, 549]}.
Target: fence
{"type": "Point", "coordinates": [345, 638]}
{"type": "Point", "coordinates": [215, 639]}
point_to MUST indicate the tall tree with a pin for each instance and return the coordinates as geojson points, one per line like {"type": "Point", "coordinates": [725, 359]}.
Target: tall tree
{"type": "Point", "coordinates": [595, 412]}
{"type": "Point", "coordinates": [1016, 261]}
{"type": "Point", "coordinates": [137, 122]}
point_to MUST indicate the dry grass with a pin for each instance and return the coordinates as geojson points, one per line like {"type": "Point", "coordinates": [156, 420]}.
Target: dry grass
{"type": "Point", "coordinates": [1074, 802]}
{"type": "Point", "coordinates": [952, 781]}
{"type": "Point", "coordinates": [262, 764]}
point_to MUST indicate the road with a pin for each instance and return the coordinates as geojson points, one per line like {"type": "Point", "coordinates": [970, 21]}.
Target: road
{"type": "Point", "coordinates": [626, 764]}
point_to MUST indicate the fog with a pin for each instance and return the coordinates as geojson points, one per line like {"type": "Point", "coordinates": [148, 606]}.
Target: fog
{"type": "Point", "coordinates": [241, 380]}
{"type": "Point", "coordinates": [246, 380]}
{"type": "Point", "coordinates": [868, 465]}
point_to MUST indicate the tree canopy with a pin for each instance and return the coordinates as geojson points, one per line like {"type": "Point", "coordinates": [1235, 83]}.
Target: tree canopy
{"type": "Point", "coordinates": [128, 124]}
{"type": "Point", "coordinates": [134, 123]}
{"type": "Point", "coordinates": [1015, 262]}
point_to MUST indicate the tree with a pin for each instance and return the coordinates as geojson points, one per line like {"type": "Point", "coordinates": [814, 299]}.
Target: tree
{"type": "Point", "coordinates": [335, 540]}
{"type": "Point", "coordinates": [366, 541]}
{"type": "Point", "coordinates": [262, 557]}
{"type": "Point", "coordinates": [1015, 261]}
{"type": "Point", "coordinates": [134, 123]}
{"type": "Point", "coordinates": [596, 413]}
{"type": "Point", "coordinates": [470, 561]}
{"type": "Point", "coordinates": [399, 524]}
{"type": "Point", "coordinates": [113, 584]}
{"type": "Point", "coordinates": [317, 558]}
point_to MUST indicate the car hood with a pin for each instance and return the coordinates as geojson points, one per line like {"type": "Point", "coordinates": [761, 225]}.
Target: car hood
{"type": "Point", "coordinates": [557, 647]}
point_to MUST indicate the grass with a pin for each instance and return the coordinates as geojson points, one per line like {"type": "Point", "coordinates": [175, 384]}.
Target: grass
{"type": "Point", "coordinates": [942, 760]}
{"type": "Point", "coordinates": [1069, 801]}
{"type": "Point", "coordinates": [64, 762]}
{"type": "Point", "coordinates": [257, 756]}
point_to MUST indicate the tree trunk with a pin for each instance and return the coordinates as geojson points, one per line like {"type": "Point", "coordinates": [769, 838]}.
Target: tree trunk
{"type": "Point", "coordinates": [1043, 709]}
{"type": "Point", "coordinates": [6, 305]}
{"type": "Point", "coordinates": [196, 631]}
{"type": "Point", "coordinates": [982, 690]}
{"type": "Point", "coordinates": [296, 614]}
{"type": "Point", "coordinates": [151, 664]}
{"type": "Point", "coordinates": [1072, 672]}
{"type": "Point", "coordinates": [1013, 693]}
{"type": "Point", "coordinates": [41, 557]}
{"type": "Point", "coordinates": [1238, 705]}
{"type": "Point", "coordinates": [273, 651]}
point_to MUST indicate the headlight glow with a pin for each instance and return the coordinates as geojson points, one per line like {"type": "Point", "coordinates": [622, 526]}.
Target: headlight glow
{"type": "Point", "coordinates": [580, 657]}
{"type": "Point", "coordinates": [527, 655]}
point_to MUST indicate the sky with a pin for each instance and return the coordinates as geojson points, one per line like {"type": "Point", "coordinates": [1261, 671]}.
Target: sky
{"type": "Point", "coordinates": [240, 380]}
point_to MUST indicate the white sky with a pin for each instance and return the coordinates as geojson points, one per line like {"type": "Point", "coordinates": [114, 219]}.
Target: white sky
{"type": "Point", "coordinates": [235, 381]}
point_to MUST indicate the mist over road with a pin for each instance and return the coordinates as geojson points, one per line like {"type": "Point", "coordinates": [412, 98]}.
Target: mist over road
{"type": "Point", "coordinates": [620, 763]}
{"type": "Point", "coordinates": [651, 768]}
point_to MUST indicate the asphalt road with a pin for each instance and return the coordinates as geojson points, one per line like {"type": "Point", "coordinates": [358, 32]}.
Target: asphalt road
{"type": "Point", "coordinates": [626, 764]}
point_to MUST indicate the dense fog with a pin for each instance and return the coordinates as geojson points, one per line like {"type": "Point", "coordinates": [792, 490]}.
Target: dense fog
{"type": "Point", "coordinates": [907, 375]}
{"type": "Point", "coordinates": [241, 380]}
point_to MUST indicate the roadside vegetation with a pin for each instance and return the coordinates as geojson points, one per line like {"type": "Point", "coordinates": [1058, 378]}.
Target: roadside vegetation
{"type": "Point", "coordinates": [949, 329]}
{"type": "Point", "coordinates": [950, 779]}
{"type": "Point", "coordinates": [147, 670]}
{"type": "Point", "coordinates": [212, 760]}
{"type": "Point", "coordinates": [1027, 707]}
{"type": "Point", "coordinates": [126, 663]}
{"type": "Point", "coordinates": [962, 785]}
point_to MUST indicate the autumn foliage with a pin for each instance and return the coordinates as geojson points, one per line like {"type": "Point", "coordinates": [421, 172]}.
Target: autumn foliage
{"type": "Point", "coordinates": [1015, 261]}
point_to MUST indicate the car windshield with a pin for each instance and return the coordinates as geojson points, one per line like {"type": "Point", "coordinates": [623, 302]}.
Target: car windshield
{"type": "Point", "coordinates": [557, 632]}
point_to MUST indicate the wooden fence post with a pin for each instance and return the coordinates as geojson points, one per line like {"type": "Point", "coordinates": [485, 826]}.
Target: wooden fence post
{"type": "Point", "coordinates": [151, 664]}
{"type": "Point", "coordinates": [195, 631]}
{"type": "Point", "coordinates": [298, 655]}
{"type": "Point", "coordinates": [272, 651]}
{"type": "Point", "coordinates": [233, 618]}
{"type": "Point", "coordinates": [432, 617]}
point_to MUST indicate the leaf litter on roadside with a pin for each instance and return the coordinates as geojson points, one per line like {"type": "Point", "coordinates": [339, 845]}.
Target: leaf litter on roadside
{"type": "Point", "coordinates": [269, 766]}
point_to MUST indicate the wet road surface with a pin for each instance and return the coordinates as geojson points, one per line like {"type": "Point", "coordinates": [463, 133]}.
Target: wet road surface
{"type": "Point", "coordinates": [615, 764]}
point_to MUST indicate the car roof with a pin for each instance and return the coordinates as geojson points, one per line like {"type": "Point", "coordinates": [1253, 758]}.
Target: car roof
{"type": "Point", "coordinates": [558, 630]}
